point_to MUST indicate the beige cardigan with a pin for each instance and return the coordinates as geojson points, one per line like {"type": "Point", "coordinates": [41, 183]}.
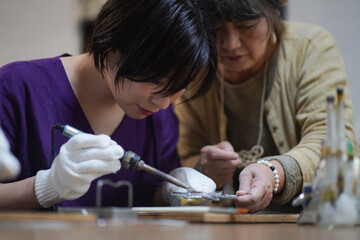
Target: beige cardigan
{"type": "Point", "coordinates": [309, 67]}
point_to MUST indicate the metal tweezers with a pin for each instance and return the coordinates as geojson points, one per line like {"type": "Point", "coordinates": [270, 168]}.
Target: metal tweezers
{"type": "Point", "coordinates": [214, 196]}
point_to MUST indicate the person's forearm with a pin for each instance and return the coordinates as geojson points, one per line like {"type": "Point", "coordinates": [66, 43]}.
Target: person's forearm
{"type": "Point", "coordinates": [19, 195]}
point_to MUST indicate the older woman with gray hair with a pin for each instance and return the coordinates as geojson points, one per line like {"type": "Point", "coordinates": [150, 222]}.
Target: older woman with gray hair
{"type": "Point", "coordinates": [259, 128]}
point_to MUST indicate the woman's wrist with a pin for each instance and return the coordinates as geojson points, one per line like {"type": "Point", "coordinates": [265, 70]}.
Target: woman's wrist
{"type": "Point", "coordinates": [275, 173]}
{"type": "Point", "coordinates": [280, 171]}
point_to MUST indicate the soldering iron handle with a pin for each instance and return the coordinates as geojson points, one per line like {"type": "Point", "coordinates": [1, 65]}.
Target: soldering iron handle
{"type": "Point", "coordinates": [69, 131]}
{"type": "Point", "coordinates": [129, 160]}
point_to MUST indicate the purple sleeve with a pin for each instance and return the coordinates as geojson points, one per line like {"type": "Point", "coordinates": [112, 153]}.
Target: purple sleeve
{"type": "Point", "coordinates": [27, 110]}
{"type": "Point", "coordinates": [9, 103]}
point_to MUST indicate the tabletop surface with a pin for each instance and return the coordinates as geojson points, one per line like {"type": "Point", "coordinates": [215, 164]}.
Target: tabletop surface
{"type": "Point", "coordinates": [151, 229]}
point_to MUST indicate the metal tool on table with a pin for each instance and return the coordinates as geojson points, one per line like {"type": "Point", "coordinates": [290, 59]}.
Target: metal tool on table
{"type": "Point", "coordinates": [298, 201]}
{"type": "Point", "coordinates": [130, 160]}
{"type": "Point", "coordinates": [200, 198]}
{"type": "Point", "coordinates": [213, 196]}
{"type": "Point", "coordinates": [106, 216]}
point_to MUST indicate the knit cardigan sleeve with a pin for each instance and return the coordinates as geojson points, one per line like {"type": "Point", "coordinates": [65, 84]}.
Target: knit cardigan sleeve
{"type": "Point", "coordinates": [309, 68]}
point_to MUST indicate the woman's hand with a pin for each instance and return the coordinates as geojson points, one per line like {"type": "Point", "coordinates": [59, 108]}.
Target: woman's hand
{"type": "Point", "coordinates": [219, 162]}
{"type": "Point", "coordinates": [197, 182]}
{"type": "Point", "coordinates": [256, 186]}
{"type": "Point", "coordinates": [82, 159]}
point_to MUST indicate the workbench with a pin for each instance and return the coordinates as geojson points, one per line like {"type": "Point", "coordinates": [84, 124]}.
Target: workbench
{"type": "Point", "coordinates": [53, 226]}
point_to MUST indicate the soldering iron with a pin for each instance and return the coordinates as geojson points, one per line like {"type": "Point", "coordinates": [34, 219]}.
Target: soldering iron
{"type": "Point", "coordinates": [130, 160]}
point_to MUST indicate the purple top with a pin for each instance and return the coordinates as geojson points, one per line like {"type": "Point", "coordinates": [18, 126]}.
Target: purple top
{"type": "Point", "coordinates": [34, 95]}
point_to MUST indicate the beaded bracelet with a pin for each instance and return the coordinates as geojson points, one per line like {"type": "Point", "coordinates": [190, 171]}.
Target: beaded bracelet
{"type": "Point", "coordinates": [276, 175]}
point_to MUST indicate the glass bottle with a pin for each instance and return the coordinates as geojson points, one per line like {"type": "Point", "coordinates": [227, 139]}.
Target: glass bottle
{"type": "Point", "coordinates": [329, 175]}
{"type": "Point", "coordinates": [337, 204]}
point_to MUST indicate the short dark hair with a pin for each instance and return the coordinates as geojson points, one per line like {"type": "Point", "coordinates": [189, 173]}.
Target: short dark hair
{"type": "Point", "coordinates": [229, 10]}
{"type": "Point", "coordinates": [157, 39]}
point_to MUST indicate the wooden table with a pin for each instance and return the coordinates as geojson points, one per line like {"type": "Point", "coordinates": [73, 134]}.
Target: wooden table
{"type": "Point", "coordinates": [189, 231]}
{"type": "Point", "coordinates": [146, 229]}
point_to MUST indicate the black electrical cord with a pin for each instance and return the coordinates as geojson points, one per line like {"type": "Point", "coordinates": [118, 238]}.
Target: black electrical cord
{"type": "Point", "coordinates": [60, 127]}
{"type": "Point", "coordinates": [57, 126]}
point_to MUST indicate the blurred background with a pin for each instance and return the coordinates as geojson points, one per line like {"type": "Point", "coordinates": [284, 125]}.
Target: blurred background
{"type": "Point", "coordinates": [46, 28]}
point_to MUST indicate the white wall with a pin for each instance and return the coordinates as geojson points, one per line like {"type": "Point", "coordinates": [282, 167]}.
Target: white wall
{"type": "Point", "coordinates": [37, 28]}
{"type": "Point", "coordinates": [43, 28]}
{"type": "Point", "coordinates": [342, 19]}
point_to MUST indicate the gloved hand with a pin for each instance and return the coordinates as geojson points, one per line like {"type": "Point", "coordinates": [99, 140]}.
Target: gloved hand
{"type": "Point", "coordinates": [9, 165]}
{"type": "Point", "coordinates": [82, 159]}
{"type": "Point", "coordinates": [197, 181]}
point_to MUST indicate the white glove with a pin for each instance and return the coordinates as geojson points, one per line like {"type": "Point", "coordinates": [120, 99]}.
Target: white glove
{"type": "Point", "coordinates": [9, 165]}
{"type": "Point", "coordinates": [82, 159]}
{"type": "Point", "coordinates": [197, 182]}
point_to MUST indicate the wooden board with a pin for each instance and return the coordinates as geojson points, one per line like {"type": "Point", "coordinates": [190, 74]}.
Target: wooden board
{"type": "Point", "coordinates": [46, 216]}
{"type": "Point", "coordinates": [212, 215]}
{"type": "Point", "coordinates": [191, 214]}
{"type": "Point", "coordinates": [225, 217]}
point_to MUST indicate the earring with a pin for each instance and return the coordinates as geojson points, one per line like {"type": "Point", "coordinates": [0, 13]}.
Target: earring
{"type": "Point", "coordinates": [273, 38]}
